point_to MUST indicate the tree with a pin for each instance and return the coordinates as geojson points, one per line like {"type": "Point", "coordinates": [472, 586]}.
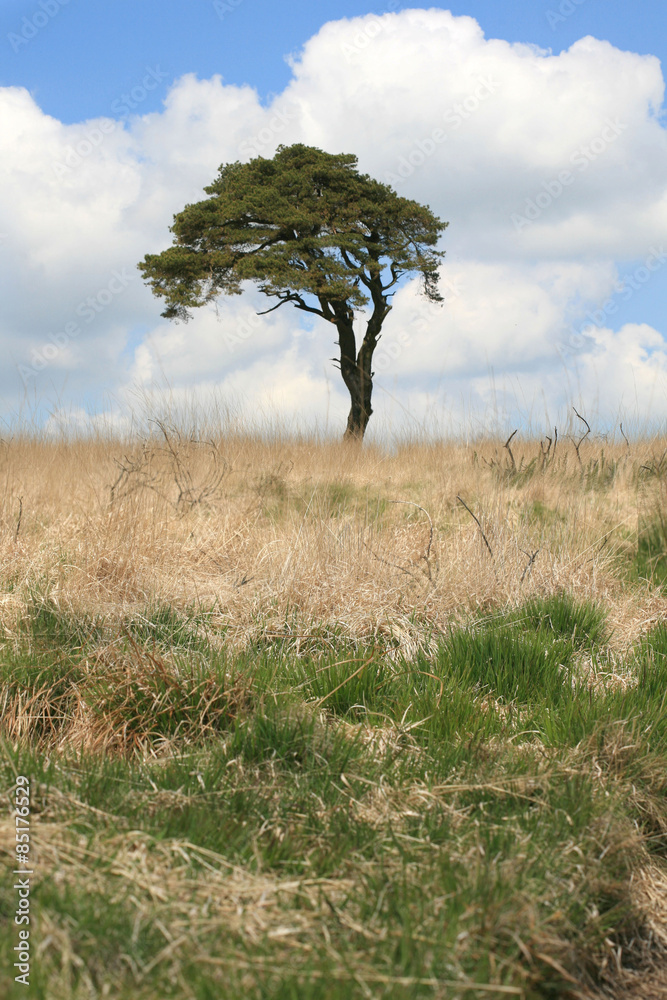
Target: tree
{"type": "Point", "coordinates": [309, 229]}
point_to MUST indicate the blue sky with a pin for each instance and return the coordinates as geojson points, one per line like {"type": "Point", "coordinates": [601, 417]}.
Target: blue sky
{"type": "Point", "coordinates": [93, 50]}
{"type": "Point", "coordinates": [209, 80]}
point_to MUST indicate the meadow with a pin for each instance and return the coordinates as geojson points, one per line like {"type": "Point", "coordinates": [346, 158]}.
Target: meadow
{"type": "Point", "coordinates": [303, 719]}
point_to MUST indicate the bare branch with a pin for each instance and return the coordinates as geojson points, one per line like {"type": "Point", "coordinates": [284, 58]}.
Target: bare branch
{"type": "Point", "coordinates": [583, 419]}
{"type": "Point", "coordinates": [577, 445]}
{"type": "Point", "coordinates": [396, 274]}
{"type": "Point", "coordinates": [392, 564]}
{"type": "Point", "coordinates": [476, 519]}
{"type": "Point", "coordinates": [545, 451]}
{"type": "Point", "coordinates": [18, 523]}
{"type": "Point", "coordinates": [426, 557]}
{"type": "Point", "coordinates": [273, 308]}
{"type": "Point", "coordinates": [507, 445]}
{"type": "Point", "coordinates": [298, 304]}
{"type": "Point", "coordinates": [531, 560]}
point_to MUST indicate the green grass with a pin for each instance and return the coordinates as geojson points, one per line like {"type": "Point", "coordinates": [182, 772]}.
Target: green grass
{"type": "Point", "coordinates": [171, 629]}
{"type": "Point", "coordinates": [326, 500]}
{"type": "Point", "coordinates": [538, 512]}
{"type": "Point", "coordinates": [650, 559]}
{"type": "Point", "coordinates": [582, 623]}
{"type": "Point", "coordinates": [336, 820]}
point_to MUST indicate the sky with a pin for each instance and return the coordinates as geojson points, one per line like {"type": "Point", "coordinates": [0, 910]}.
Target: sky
{"type": "Point", "coordinates": [536, 129]}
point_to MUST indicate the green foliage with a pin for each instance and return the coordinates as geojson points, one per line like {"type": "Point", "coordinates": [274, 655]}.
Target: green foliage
{"type": "Point", "coordinates": [292, 737]}
{"type": "Point", "coordinates": [304, 223]}
{"type": "Point", "coordinates": [38, 692]}
{"type": "Point", "coordinates": [524, 472]}
{"type": "Point", "coordinates": [51, 627]}
{"type": "Point", "coordinates": [654, 468]}
{"type": "Point", "coordinates": [383, 867]}
{"type": "Point", "coordinates": [349, 687]}
{"type": "Point", "coordinates": [651, 664]}
{"type": "Point", "coordinates": [139, 697]}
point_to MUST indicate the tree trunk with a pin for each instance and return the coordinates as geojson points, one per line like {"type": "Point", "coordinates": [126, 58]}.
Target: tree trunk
{"type": "Point", "coordinates": [360, 412]}
{"type": "Point", "coordinates": [358, 377]}
{"type": "Point", "coordinates": [356, 368]}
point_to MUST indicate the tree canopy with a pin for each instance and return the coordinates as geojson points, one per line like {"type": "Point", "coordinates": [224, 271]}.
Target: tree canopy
{"type": "Point", "coordinates": [309, 230]}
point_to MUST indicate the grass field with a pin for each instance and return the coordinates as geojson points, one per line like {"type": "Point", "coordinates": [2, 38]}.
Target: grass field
{"type": "Point", "coordinates": [305, 720]}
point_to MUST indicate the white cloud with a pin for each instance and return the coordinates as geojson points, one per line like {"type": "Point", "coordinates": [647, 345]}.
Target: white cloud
{"type": "Point", "coordinates": [550, 169]}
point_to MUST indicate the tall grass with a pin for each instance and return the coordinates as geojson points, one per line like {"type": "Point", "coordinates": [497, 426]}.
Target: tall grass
{"type": "Point", "coordinates": [311, 720]}
{"type": "Point", "coordinates": [263, 532]}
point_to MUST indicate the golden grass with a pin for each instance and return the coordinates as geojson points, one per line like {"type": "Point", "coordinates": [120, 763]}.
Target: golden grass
{"type": "Point", "coordinates": [286, 535]}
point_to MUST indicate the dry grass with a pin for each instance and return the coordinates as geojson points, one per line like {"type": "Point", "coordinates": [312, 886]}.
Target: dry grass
{"type": "Point", "coordinates": [273, 533]}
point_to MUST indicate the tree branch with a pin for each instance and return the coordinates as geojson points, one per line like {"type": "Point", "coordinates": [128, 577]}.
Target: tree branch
{"type": "Point", "coordinates": [296, 299]}
{"type": "Point", "coordinates": [395, 275]}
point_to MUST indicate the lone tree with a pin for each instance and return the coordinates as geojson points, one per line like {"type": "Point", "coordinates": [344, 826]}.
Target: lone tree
{"type": "Point", "coordinates": [309, 229]}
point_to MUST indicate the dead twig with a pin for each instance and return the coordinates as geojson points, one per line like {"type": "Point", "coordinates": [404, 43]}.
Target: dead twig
{"type": "Point", "coordinates": [321, 701]}
{"type": "Point", "coordinates": [624, 436]}
{"type": "Point", "coordinates": [392, 564]}
{"type": "Point", "coordinates": [531, 560]}
{"type": "Point", "coordinates": [476, 519]}
{"type": "Point", "coordinates": [507, 445]}
{"type": "Point", "coordinates": [18, 523]}
{"type": "Point", "coordinates": [427, 556]}
{"type": "Point", "coordinates": [189, 492]}
{"type": "Point", "coordinates": [135, 473]}
{"type": "Point", "coordinates": [545, 451]}
{"type": "Point", "coordinates": [656, 467]}
{"type": "Point", "coordinates": [577, 445]}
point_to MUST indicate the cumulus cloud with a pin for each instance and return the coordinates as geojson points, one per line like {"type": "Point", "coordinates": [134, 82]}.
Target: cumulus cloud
{"type": "Point", "coordinates": [551, 171]}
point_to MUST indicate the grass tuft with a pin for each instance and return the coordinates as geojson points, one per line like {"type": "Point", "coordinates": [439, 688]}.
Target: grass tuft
{"type": "Point", "coordinates": [582, 623]}
{"type": "Point", "coordinates": [137, 697]}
